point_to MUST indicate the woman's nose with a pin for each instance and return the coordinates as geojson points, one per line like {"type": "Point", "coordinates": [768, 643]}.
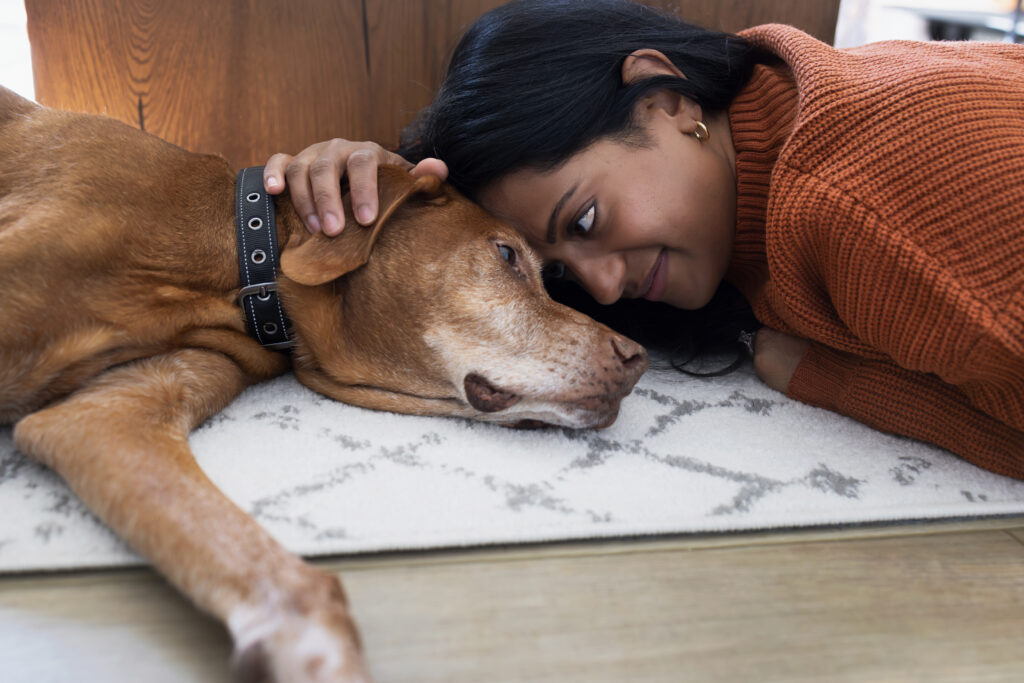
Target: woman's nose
{"type": "Point", "coordinates": [601, 275]}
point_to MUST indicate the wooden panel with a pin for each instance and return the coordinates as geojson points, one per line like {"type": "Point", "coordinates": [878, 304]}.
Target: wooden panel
{"type": "Point", "coordinates": [410, 42]}
{"type": "Point", "coordinates": [400, 86]}
{"type": "Point", "coordinates": [243, 78]}
{"type": "Point", "coordinates": [817, 17]}
{"type": "Point", "coordinates": [246, 78]}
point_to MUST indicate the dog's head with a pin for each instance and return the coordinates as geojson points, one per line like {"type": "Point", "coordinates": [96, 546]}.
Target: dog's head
{"type": "Point", "coordinates": [439, 308]}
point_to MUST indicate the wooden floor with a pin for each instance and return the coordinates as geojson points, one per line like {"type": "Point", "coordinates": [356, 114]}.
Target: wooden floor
{"type": "Point", "coordinates": [928, 602]}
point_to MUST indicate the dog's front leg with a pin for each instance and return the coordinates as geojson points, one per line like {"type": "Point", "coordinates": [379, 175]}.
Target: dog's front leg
{"type": "Point", "coordinates": [121, 444]}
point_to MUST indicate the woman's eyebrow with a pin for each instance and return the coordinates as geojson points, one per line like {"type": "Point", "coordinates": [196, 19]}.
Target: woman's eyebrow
{"type": "Point", "coordinates": [553, 221]}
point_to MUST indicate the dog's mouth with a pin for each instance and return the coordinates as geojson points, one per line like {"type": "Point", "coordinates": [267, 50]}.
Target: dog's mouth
{"type": "Point", "coordinates": [586, 412]}
{"type": "Point", "coordinates": [596, 421]}
{"type": "Point", "coordinates": [486, 397]}
{"type": "Point", "coordinates": [528, 424]}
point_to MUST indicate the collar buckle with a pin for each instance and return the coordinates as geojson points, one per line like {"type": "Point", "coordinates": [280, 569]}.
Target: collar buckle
{"type": "Point", "coordinates": [262, 290]}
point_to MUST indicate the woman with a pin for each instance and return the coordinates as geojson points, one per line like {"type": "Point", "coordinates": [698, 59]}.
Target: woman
{"type": "Point", "coordinates": [868, 203]}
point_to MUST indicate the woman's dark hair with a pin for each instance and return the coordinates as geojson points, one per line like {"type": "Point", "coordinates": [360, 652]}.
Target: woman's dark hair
{"type": "Point", "coordinates": [533, 82]}
{"type": "Point", "coordinates": [701, 343]}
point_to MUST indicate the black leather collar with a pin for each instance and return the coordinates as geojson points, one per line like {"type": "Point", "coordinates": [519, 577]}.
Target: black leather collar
{"type": "Point", "coordinates": [258, 259]}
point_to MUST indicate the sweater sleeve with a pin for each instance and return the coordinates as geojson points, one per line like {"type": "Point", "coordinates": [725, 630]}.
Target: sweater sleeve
{"type": "Point", "coordinates": [894, 238]}
{"type": "Point", "coordinates": [915, 321]}
{"type": "Point", "coordinates": [893, 399]}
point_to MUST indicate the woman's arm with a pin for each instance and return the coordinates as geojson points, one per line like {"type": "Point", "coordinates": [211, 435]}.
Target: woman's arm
{"type": "Point", "coordinates": [314, 175]}
{"type": "Point", "coordinates": [934, 302]}
{"type": "Point", "coordinates": [887, 397]}
{"type": "Point", "coordinates": [893, 399]}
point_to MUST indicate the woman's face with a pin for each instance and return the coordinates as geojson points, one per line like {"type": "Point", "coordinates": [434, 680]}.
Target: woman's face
{"type": "Point", "coordinates": [653, 221]}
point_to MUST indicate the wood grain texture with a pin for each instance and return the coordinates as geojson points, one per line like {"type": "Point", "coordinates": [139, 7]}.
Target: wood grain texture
{"type": "Point", "coordinates": [926, 608]}
{"type": "Point", "coordinates": [817, 17]}
{"type": "Point", "coordinates": [934, 602]}
{"type": "Point", "coordinates": [247, 78]}
{"type": "Point", "coordinates": [242, 78]}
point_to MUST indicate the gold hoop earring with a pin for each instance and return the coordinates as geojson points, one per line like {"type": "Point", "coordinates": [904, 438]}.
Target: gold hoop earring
{"type": "Point", "coordinates": [702, 133]}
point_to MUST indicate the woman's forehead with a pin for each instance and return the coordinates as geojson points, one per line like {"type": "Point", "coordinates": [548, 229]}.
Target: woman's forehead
{"type": "Point", "coordinates": [532, 200]}
{"type": "Point", "coordinates": [519, 198]}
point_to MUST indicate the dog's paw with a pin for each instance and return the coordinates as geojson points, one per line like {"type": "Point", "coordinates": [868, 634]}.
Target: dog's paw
{"type": "Point", "coordinates": [299, 654]}
{"type": "Point", "coordinates": [291, 641]}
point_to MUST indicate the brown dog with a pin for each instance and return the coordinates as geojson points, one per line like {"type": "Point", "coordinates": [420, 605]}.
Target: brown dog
{"type": "Point", "coordinates": [120, 282]}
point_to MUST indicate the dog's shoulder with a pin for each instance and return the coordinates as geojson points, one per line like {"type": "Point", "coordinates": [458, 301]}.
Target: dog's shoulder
{"type": "Point", "coordinates": [14, 106]}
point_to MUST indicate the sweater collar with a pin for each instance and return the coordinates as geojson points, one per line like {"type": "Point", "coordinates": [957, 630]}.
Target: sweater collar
{"type": "Point", "coordinates": [761, 119]}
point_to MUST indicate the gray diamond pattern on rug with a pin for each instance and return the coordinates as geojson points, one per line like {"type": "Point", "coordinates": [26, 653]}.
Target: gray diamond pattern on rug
{"type": "Point", "coordinates": [686, 455]}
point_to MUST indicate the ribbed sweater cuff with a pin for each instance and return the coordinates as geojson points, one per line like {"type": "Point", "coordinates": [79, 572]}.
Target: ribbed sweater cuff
{"type": "Point", "coordinates": [892, 399]}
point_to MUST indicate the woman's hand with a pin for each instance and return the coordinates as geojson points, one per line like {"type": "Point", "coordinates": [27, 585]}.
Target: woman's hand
{"type": "Point", "coordinates": [776, 356]}
{"type": "Point", "coordinates": [314, 178]}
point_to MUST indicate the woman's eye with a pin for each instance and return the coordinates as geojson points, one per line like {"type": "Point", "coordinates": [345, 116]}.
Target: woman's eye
{"type": "Point", "coordinates": [554, 271]}
{"type": "Point", "coordinates": [582, 226]}
{"type": "Point", "coordinates": [507, 253]}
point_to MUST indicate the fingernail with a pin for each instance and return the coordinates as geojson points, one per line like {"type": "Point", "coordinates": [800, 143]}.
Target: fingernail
{"type": "Point", "coordinates": [331, 224]}
{"type": "Point", "coordinates": [313, 222]}
{"type": "Point", "coordinates": [364, 213]}
{"type": "Point", "coordinates": [272, 183]}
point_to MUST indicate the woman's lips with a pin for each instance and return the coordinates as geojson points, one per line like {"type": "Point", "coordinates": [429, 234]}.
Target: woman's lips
{"type": "Point", "coordinates": [654, 285]}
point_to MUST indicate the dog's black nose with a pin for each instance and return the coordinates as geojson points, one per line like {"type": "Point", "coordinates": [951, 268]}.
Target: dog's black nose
{"type": "Point", "coordinates": [629, 353]}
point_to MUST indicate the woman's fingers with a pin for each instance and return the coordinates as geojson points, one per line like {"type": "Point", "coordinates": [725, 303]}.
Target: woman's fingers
{"type": "Point", "coordinates": [362, 183]}
{"type": "Point", "coordinates": [300, 190]}
{"type": "Point", "coordinates": [362, 178]}
{"type": "Point", "coordinates": [273, 173]}
{"type": "Point", "coordinates": [313, 178]}
{"type": "Point", "coordinates": [776, 357]}
{"type": "Point", "coordinates": [325, 173]}
{"type": "Point", "coordinates": [431, 166]}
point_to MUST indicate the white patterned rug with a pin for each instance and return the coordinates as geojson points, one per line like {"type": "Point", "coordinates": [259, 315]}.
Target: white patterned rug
{"type": "Point", "coordinates": [685, 456]}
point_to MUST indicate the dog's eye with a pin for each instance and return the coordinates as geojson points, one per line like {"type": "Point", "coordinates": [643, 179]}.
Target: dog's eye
{"type": "Point", "coordinates": [507, 253]}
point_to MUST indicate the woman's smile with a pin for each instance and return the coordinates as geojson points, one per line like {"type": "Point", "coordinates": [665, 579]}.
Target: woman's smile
{"type": "Point", "coordinates": [653, 286]}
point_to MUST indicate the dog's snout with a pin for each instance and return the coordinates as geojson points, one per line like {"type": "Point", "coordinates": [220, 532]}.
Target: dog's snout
{"type": "Point", "coordinates": [629, 353]}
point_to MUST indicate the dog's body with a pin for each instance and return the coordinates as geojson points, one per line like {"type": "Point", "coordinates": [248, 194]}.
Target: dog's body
{"type": "Point", "coordinates": [119, 274]}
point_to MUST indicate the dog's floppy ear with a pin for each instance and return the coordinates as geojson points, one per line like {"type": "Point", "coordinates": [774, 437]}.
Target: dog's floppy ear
{"type": "Point", "coordinates": [318, 259]}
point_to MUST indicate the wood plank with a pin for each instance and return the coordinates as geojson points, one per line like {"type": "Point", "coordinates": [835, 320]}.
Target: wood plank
{"type": "Point", "coordinates": [247, 78]}
{"type": "Point", "coordinates": [937, 608]}
{"type": "Point", "coordinates": [1018, 534]}
{"type": "Point", "coordinates": [410, 42]}
{"type": "Point", "coordinates": [111, 626]}
{"type": "Point", "coordinates": [679, 542]}
{"type": "Point", "coordinates": [817, 17]}
{"type": "Point", "coordinates": [922, 606]}
{"type": "Point", "coordinates": [243, 78]}
{"type": "Point", "coordinates": [402, 83]}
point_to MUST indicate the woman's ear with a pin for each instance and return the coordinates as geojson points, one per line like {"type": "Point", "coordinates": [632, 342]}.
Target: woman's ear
{"type": "Point", "coordinates": [647, 63]}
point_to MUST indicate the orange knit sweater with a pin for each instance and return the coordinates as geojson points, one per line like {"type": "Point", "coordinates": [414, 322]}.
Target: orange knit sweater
{"type": "Point", "coordinates": [881, 216]}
